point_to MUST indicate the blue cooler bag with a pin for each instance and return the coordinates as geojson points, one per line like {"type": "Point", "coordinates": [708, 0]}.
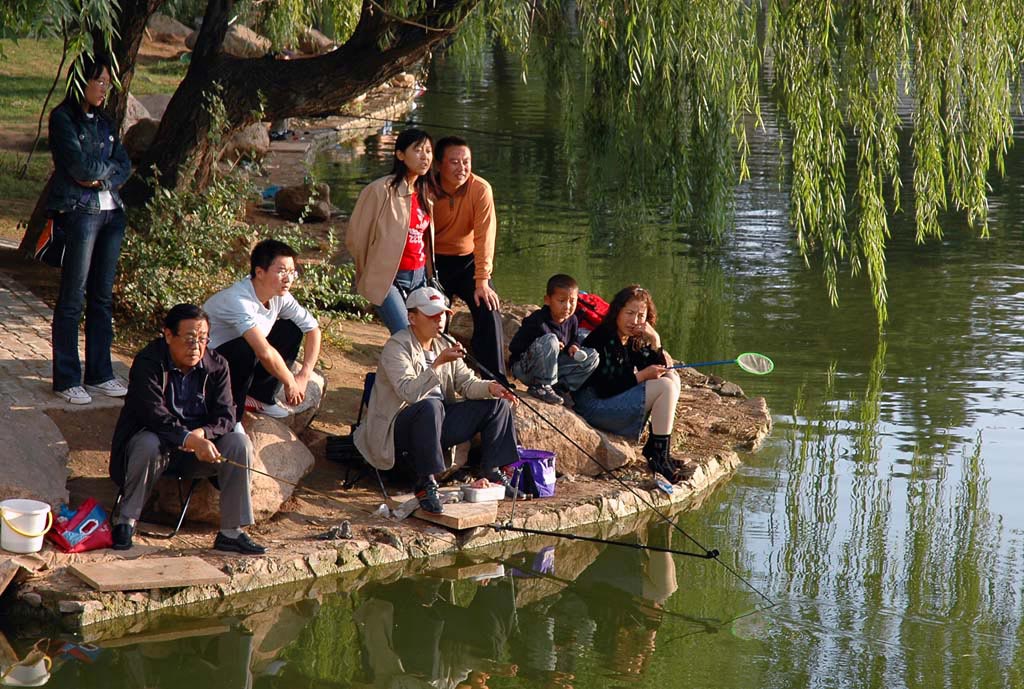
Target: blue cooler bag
{"type": "Point", "coordinates": [537, 472]}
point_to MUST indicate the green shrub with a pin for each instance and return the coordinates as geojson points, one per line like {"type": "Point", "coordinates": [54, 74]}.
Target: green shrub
{"type": "Point", "coordinates": [188, 243]}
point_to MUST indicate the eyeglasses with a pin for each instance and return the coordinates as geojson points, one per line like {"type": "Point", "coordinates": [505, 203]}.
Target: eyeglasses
{"type": "Point", "coordinates": [289, 274]}
{"type": "Point", "coordinates": [100, 82]}
{"type": "Point", "coordinates": [193, 341]}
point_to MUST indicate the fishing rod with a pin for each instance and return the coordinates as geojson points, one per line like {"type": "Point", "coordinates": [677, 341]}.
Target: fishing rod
{"type": "Point", "coordinates": [348, 505]}
{"type": "Point", "coordinates": [645, 500]}
{"type": "Point", "coordinates": [709, 555]}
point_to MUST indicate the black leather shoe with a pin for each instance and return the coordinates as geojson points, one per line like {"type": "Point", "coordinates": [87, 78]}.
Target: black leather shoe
{"type": "Point", "coordinates": [122, 534]}
{"type": "Point", "coordinates": [242, 544]}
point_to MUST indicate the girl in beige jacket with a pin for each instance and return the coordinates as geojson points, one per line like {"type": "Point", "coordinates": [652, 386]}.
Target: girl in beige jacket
{"type": "Point", "coordinates": [391, 232]}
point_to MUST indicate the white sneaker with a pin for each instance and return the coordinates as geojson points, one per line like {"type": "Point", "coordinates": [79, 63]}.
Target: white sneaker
{"type": "Point", "coordinates": [74, 395]}
{"type": "Point", "coordinates": [111, 388]}
{"type": "Point", "coordinates": [274, 411]}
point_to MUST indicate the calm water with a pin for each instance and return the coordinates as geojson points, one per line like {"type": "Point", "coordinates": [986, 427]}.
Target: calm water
{"type": "Point", "coordinates": [883, 517]}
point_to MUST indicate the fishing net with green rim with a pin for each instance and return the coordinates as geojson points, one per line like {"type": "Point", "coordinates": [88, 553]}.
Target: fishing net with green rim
{"type": "Point", "coordinates": [755, 363]}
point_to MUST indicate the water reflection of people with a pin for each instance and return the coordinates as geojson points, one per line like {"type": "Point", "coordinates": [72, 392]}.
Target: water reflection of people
{"type": "Point", "coordinates": [413, 635]}
{"type": "Point", "coordinates": [614, 606]}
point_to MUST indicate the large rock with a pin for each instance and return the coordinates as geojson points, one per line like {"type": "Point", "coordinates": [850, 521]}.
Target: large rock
{"type": "Point", "coordinates": [277, 451]}
{"type": "Point", "coordinates": [35, 457]}
{"type": "Point", "coordinates": [250, 142]}
{"type": "Point", "coordinates": [610, 451]}
{"type": "Point", "coordinates": [134, 112]}
{"type": "Point", "coordinates": [166, 29]}
{"type": "Point", "coordinates": [291, 202]}
{"type": "Point", "coordinates": [312, 42]}
{"type": "Point", "coordinates": [512, 316]}
{"type": "Point", "coordinates": [240, 41]}
{"type": "Point", "coordinates": [303, 414]}
{"type": "Point", "coordinates": [139, 138]}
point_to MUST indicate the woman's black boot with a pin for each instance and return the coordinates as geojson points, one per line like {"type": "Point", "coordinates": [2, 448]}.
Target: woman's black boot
{"type": "Point", "coordinates": [659, 456]}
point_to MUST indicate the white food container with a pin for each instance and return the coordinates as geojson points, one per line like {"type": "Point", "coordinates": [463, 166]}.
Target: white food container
{"type": "Point", "coordinates": [489, 494]}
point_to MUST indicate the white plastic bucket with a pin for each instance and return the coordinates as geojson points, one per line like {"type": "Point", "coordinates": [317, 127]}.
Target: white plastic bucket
{"type": "Point", "coordinates": [31, 672]}
{"type": "Point", "coordinates": [23, 523]}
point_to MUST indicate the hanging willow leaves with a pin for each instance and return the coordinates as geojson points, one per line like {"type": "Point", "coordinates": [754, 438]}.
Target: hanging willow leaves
{"type": "Point", "coordinates": [661, 89]}
{"type": "Point", "coordinates": [657, 96]}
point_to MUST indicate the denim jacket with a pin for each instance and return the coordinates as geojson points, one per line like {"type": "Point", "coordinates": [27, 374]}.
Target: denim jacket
{"type": "Point", "coordinates": [84, 150]}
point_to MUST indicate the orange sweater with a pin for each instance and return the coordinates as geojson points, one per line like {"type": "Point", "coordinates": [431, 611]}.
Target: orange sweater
{"type": "Point", "coordinates": [464, 224]}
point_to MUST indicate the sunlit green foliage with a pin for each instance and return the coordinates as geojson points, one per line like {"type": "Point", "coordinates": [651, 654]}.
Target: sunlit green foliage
{"type": "Point", "coordinates": [843, 70]}
{"type": "Point", "coordinates": [75, 21]}
{"type": "Point", "coordinates": [661, 93]}
{"type": "Point", "coordinates": [663, 90]}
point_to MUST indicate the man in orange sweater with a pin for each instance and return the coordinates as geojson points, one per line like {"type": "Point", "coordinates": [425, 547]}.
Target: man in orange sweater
{"type": "Point", "coordinates": [464, 231]}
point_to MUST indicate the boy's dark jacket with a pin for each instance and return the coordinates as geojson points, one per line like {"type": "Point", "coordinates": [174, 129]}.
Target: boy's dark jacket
{"type": "Point", "coordinates": [539, 323]}
{"type": "Point", "coordinates": [145, 406]}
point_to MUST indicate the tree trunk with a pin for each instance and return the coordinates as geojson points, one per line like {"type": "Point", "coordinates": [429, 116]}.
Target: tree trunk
{"type": "Point", "coordinates": [381, 46]}
{"type": "Point", "coordinates": [132, 27]}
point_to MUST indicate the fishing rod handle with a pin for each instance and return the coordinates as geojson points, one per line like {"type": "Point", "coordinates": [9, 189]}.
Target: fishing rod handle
{"type": "Point", "coordinates": [704, 363]}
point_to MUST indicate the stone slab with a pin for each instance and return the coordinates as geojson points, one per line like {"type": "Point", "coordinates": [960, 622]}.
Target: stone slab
{"type": "Point", "coordinates": [458, 516]}
{"type": "Point", "coordinates": [157, 573]}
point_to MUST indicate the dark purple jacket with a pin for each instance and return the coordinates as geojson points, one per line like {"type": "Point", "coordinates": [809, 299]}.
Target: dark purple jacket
{"type": "Point", "coordinates": [146, 406]}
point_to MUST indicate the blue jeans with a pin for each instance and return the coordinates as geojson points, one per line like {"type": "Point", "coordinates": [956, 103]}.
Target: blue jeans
{"type": "Point", "coordinates": [87, 279]}
{"type": "Point", "coordinates": [545, 363]}
{"type": "Point", "coordinates": [392, 310]}
{"type": "Point", "coordinates": [621, 414]}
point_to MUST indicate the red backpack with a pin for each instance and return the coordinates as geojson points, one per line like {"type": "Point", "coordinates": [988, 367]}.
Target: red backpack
{"type": "Point", "coordinates": [590, 310]}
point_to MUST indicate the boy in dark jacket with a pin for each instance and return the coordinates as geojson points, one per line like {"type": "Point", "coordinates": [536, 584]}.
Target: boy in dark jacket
{"type": "Point", "coordinates": [547, 349]}
{"type": "Point", "coordinates": [179, 411]}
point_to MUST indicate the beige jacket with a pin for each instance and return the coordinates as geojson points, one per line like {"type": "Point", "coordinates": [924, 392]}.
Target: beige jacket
{"type": "Point", "coordinates": [377, 233]}
{"type": "Point", "coordinates": [403, 378]}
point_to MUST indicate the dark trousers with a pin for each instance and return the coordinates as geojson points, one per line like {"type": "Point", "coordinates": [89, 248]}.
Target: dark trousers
{"type": "Point", "coordinates": [456, 275]}
{"type": "Point", "coordinates": [248, 377]}
{"type": "Point", "coordinates": [424, 429]}
{"type": "Point", "coordinates": [93, 245]}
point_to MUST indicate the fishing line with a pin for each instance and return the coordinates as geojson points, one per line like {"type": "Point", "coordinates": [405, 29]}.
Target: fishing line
{"type": "Point", "coordinates": [646, 501]}
{"type": "Point", "coordinates": [709, 555]}
{"type": "Point", "coordinates": [711, 625]}
{"type": "Point", "coordinates": [347, 505]}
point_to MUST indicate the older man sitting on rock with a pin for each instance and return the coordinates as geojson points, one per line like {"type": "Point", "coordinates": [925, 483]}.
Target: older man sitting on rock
{"type": "Point", "coordinates": [414, 416]}
{"type": "Point", "coordinates": [179, 413]}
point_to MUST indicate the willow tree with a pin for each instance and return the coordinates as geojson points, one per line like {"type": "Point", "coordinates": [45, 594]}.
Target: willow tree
{"type": "Point", "coordinates": [665, 89]}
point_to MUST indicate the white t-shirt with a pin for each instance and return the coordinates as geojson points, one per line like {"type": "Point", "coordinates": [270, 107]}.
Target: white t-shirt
{"type": "Point", "coordinates": [236, 310]}
{"type": "Point", "coordinates": [106, 198]}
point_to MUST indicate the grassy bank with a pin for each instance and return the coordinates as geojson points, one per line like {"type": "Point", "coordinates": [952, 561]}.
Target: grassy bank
{"type": "Point", "coordinates": [27, 72]}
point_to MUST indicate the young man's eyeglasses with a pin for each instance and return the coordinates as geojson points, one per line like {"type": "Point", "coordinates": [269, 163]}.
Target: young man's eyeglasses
{"type": "Point", "coordinates": [289, 274]}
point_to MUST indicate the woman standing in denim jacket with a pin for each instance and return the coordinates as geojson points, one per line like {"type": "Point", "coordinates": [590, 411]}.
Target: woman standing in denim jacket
{"type": "Point", "coordinates": [90, 166]}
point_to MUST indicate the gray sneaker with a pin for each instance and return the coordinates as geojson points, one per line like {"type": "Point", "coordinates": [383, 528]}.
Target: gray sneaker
{"type": "Point", "coordinates": [110, 388]}
{"type": "Point", "coordinates": [545, 394]}
{"type": "Point", "coordinates": [74, 395]}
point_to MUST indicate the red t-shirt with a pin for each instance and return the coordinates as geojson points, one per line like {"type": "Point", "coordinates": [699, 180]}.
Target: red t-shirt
{"type": "Point", "coordinates": [414, 256]}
